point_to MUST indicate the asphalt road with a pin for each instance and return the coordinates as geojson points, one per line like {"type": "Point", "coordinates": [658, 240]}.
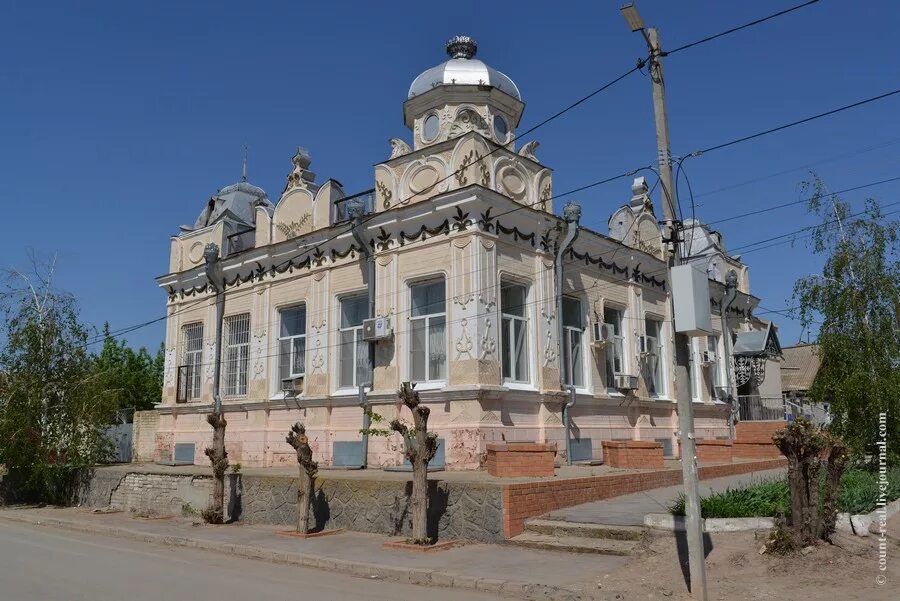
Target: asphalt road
{"type": "Point", "coordinates": [41, 564]}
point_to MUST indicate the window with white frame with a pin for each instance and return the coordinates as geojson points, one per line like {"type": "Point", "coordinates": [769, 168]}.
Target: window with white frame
{"type": "Point", "coordinates": [713, 364]}
{"type": "Point", "coordinates": [572, 344]}
{"type": "Point", "coordinates": [653, 357]}
{"type": "Point", "coordinates": [191, 362]}
{"type": "Point", "coordinates": [692, 372]}
{"type": "Point", "coordinates": [292, 343]}
{"type": "Point", "coordinates": [353, 368]}
{"type": "Point", "coordinates": [615, 351]}
{"type": "Point", "coordinates": [514, 332]}
{"type": "Point", "coordinates": [237, 354]}
{"type": "Point", "coordinates": [427, 331]}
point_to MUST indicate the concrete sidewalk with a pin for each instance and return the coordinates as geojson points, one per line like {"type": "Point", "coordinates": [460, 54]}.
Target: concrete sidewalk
{"type": "Point", "coordinates": [506, 570]}
{"type": "Point", "coordinates": [629, 510]}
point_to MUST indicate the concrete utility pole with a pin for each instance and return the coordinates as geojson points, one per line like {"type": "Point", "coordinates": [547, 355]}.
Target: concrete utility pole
{"type": "Point", "coordinates": [694, 525]}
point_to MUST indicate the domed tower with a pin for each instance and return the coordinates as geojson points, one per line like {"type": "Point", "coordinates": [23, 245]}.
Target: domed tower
{"type": "Point", "coordinates": [462, 94]}
{"type": "Point", "coordinates": [463, 115]}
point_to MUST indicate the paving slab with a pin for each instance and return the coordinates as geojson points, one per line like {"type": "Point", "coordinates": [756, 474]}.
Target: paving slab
{"type": "Point", "coordinates": [629, 510]}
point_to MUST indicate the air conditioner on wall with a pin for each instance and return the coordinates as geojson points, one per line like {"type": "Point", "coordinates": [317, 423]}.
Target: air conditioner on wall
{"type": "Point", "coordinates": [292, 387]}
{"type": "Point", "coordinates": [603, 333]}
{"type": "Point", "coordinates": [376, 329]}
{"type": "Point", "coordinates": [626, 382]}
{"type": "Point", "coordinates": [707, 357]}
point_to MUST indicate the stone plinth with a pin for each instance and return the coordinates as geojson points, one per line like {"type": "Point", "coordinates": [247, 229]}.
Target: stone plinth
{"type": "Point", "coordinates": [633, 454]}
{"type": "Point", "coordinates": [517, 459]}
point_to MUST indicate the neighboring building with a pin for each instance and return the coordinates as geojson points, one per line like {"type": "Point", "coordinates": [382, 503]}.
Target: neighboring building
{"type": "Point", "coordinates": [461, 230]}
{"type": "Point", "coordinates": [801, 364]}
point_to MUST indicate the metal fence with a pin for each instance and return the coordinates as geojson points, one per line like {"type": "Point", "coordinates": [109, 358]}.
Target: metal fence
{"type": "Point", "coordinates": [753, 407]}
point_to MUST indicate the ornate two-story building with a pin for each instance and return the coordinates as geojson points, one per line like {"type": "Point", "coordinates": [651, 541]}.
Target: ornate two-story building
{"type": "Point", "coordinates": [455, 247]}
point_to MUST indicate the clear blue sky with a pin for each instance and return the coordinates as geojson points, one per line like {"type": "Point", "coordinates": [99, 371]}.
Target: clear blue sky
{"type": "Point", "coordinates": [119, 119]}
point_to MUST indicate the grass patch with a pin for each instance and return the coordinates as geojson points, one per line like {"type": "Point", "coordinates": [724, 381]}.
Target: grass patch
{"type": "Point", "coordinates": [859, 494]}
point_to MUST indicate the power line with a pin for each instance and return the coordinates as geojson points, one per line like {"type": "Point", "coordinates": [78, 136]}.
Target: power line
{"type": "Point", "coordinates": [739, 28]}
{"type": "Point", "coordinates": [794, 123]}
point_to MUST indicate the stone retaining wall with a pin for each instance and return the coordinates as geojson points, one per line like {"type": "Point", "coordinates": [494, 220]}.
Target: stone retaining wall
{"type": "Point", "coordinates": [457, 510]}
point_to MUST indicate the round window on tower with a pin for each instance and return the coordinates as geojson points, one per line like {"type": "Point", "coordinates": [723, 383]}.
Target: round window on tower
{"type": "Point", "coordinates": [430, 127]}
{"type": "Point", "coordinates": [501, 129]}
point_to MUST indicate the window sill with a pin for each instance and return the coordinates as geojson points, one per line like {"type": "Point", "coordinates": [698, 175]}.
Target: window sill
{"type": "Point", "coordinates": [519, 386]}
{"type": "Point", "coordinates": [349, 391]}
{"type": "Point", "coordinates": [431, 385]}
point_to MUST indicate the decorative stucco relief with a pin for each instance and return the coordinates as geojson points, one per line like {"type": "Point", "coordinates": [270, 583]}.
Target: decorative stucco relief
{"type": "Point", "coordinates": [464, 342]}
{"type": "Point", "coordinates": [169, 367]}
{"type": "Point", "coordinates": [258, 353]}
{"type": "Point", "coordinates": [318, 358]}
{"type": "Point", "coordinates": [549, 345]}
{"type": "Point", "coordinates": [488, 342]}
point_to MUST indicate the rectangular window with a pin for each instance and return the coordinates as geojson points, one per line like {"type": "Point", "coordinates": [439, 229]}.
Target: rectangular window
{"type": "Point", "coordinates": [715, 375]}
{"type": "Point", "coordinates": [427, 331]}
{"type": "Point", "coordinates": [615, 351]}
{"type": "Point", "coordinates": [353, 370]}
{"type": "Point", "coordinates": [573, 333]}
{"type": "Point", "coordinates": [292, 343]}
{"type": "Point", "coordinates": [191, 362]}
{"type": "Point", "coordinates": [513, 332]}
{"type": "Point", "coordinates": [653, 357]}
{"type": "Point", "coordinates": [237, 354]}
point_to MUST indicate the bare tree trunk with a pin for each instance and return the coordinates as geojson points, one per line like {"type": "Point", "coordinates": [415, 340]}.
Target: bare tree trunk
{"type": "Point", "coordinates": [421, 446]}
{"type": "Point", "coordinates": [801, 442]}
{"type": "Point", "coordinates": [215, 513]}
{"type": "Point", "coordinates": [308, 469]}
{"type": "Point", "coordinates": [837, 462]}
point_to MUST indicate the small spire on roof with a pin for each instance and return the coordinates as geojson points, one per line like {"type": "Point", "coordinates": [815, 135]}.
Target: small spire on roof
{"type": "Point", "coordinates": [244, 167]}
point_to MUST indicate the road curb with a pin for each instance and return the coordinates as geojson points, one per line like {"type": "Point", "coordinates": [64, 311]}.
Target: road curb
{"type": "Point", "coordinates": [418, 576]}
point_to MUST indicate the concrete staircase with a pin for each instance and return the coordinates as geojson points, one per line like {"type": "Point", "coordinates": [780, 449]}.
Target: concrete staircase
{"type": "Point", "coordinates": [574, 537]}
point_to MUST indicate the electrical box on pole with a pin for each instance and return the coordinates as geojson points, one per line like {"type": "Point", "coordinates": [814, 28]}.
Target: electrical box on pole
{"type": "Point", "coordinates": [690, 299]}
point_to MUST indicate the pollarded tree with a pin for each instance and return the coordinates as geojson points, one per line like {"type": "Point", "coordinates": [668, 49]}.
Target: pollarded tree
{"type": "Point", "coordinates": [421, 445]}
{"type": "Point", "coordinates": [308, 469]}
{"type": "Point", "coordinates": [857, 300]}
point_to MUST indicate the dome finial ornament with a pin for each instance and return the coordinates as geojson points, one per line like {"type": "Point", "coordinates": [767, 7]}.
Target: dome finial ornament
{"type": "Point", "coordinates": [461, 46]}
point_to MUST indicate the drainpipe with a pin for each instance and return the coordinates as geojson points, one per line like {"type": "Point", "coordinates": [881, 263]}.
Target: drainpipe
{"type": "Point", "coordinates": [572, 215]}
{"type": "Point", "coordinates": [730, 295]}
{"type": "Point", "coordinates": [356, 210]}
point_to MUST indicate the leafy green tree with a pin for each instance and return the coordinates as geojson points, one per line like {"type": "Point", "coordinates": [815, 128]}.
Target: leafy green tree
{"type": "Point", "coordinates": [54, 403]}
{"type": "Point", "coordinates": [134, 377]}
{"type": "Point", "coordinates": [857, 301]}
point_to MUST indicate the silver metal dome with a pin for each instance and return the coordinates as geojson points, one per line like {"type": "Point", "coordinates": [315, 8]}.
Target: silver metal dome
{"type": "Point", "coordinates": [463, 69]}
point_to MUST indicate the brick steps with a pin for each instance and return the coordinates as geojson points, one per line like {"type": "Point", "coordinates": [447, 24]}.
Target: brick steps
{"type": "Point", "coordinates": [575, 544]}
{"type": "Point", "coordinates": [560, 528]}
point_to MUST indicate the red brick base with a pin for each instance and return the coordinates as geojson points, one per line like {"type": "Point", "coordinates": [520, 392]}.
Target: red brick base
{"type": "Point", "coordinates": [517, 459]}
{"type": "Point", "coordinates": [712, 450]}
{"type": "Point", "coordinates": [753, 439]}
{"type": "Point", "coordinates": [529, 499]}
{"type": "Point", "coordinates": [633, 454]}
{"type": "Point", "coordinates": [754, 450]}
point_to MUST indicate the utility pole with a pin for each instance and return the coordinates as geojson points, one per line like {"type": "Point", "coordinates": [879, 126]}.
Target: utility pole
{"type": "Point", "coordinates": [694, 525]}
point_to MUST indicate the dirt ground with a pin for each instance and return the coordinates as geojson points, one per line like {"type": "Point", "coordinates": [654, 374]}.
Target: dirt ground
{"type": "Point", "coordinates": [845, 571]}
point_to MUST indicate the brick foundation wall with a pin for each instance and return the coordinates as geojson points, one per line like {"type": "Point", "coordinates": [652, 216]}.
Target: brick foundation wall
{"type": "Point", "coordinates": [753, 450]}
{"type": "Point", "coordinates": [759, 432]}
{"type": "Point", "coordinates": [633, 454]}
{"type": "Point", "coordinates": [513, 460]}
{"type": "Point", "coordinates": [753, 439]}
{"type": "Point", "coordinates": [530, 499]}
{"type": "Point", "coordinates": [711, 450]}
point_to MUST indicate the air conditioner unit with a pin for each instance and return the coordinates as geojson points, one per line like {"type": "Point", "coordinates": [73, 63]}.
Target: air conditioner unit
{"type": "Point", "coordinates": [722, 393]}
{"type": "Point", "coordinates": [603, 333]}
{"type": "Point", "coordinates": [378, 328]}
{"type": "Point", "coordinates": [292, 386]}
{"type": "Point", "coordinates": [626, 382]}
{"type": "Point", "coordinates": [707, 357]}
